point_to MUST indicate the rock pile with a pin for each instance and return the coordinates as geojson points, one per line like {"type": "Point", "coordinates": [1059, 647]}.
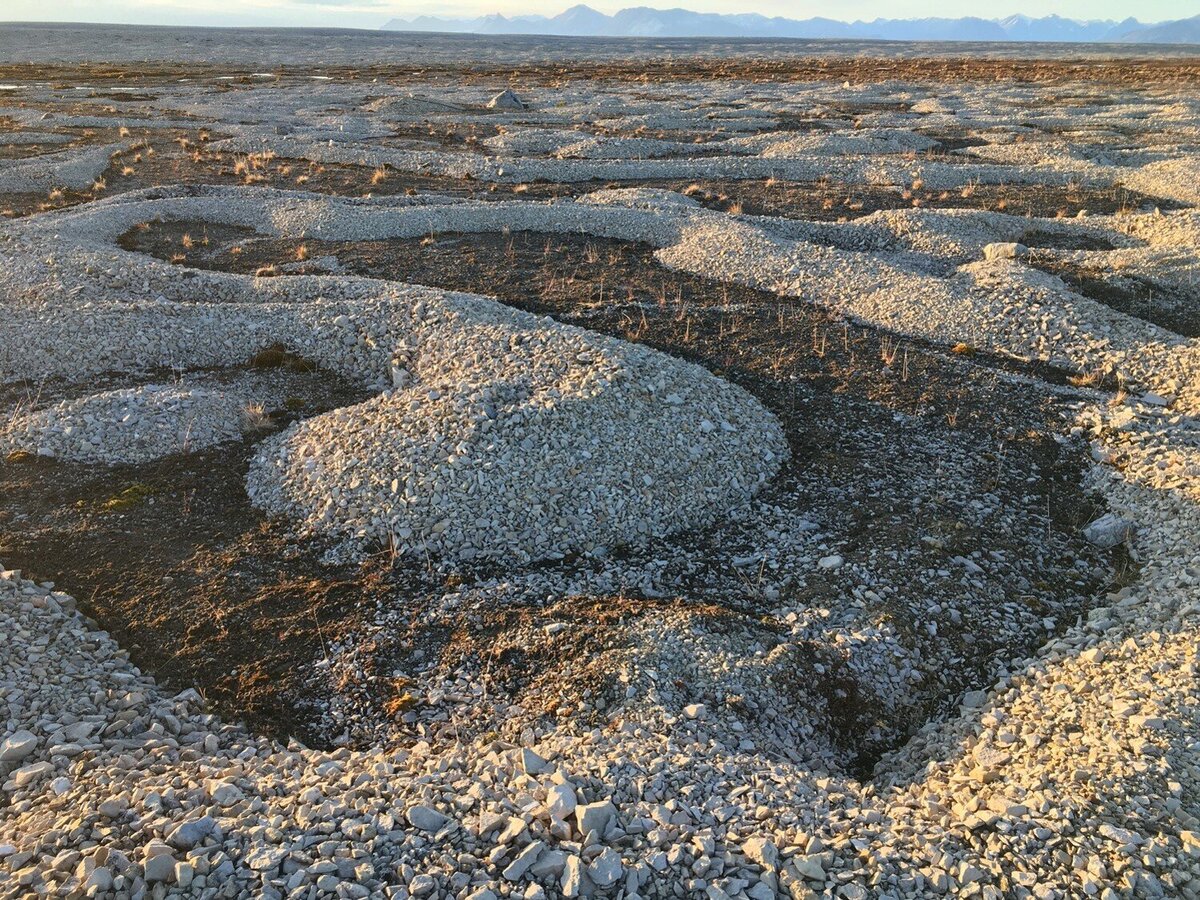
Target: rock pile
{"type": "Point", "coordinates": [510, 441]}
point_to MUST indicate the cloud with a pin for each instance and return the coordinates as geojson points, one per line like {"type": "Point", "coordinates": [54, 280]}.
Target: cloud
{"type": "Point", "coordinates": [342, 4]}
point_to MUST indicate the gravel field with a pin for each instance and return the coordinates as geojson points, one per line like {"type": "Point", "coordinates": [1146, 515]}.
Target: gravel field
{"type": "Point", "coordinates": [755, 481]}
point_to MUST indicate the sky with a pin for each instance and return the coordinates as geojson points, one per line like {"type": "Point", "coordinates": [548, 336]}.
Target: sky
{"type": "Point", "coordinates": [373, 13]}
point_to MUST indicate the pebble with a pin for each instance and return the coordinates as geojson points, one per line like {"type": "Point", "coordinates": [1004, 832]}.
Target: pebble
{"type": "Point", "coordinates": [606, 869]}
{"type": "Point", "coordinates": [526, 858]}
{"type": "Point", "coordinates": [595, 816]}
{"type": "Point", "coordinates": [160, 868]}
{"type": "Point", "coordinates": [17, 746]}
{"type": "Point", "coordinates": [426, 819]}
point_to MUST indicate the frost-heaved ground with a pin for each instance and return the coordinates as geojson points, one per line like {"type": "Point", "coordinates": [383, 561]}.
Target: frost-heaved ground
{"type": "Point", "coordinates": [661, 598]}
{"type": "Point", "coordinates": [256, 49]}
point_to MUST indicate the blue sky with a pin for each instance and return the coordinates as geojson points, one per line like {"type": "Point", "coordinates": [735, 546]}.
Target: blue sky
{"type": "Point", "coordinates": [372, 13]}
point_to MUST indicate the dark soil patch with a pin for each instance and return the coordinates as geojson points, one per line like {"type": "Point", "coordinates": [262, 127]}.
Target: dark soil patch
{"type": "Point", "coordinates": [443, 136]}
{"type": "Point", "coordinates": [172, 559]}
{"type": "Point", "coordinates": [1048, 240]}
{"type": "Point", "coordinates": [568, 276]}
{"type": "Point", "coordinates": [510, 653]}
{"type": "Point", "coordinates": [27, 151]}
{"type": "Point", "coordinates": [949, 143]}
{"type": "Point", "coordinates": [126, 96]}
{"type": "Point", "coordinates": [195, 163]}
{"type": "Point", "coordinates": [181, 242]}
{"type": "Point", "coordinates": [833, 201]}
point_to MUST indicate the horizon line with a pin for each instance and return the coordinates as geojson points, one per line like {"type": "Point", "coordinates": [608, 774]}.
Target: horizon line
{"type": "Point", "coordinates": [512, 17]}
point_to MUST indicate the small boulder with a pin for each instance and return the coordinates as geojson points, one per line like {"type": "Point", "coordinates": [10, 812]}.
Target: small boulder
{"type": "Point", "coordinates": [422, 885]}
{"type": "Point", "coordinates": [98, 881]}
{"type": "Point", "coordinates": [531, 763]}
{"type": "Point", "coordinates": [1109, 530]}
{"type": "Point", "coordinates": [572, 877]}
{"type": "Point", "coordinates": [526, 858]}
{"type": "Point", "coordinates": [1006, 250]}
{"type": "Point", "coordinates": [29, 774]}
{"type": "Point", "coordinates": [160, 868]}
{"type": "Point", "coordinates": [225, 793]}
{"type": "Point", "coordinates": [810, 867]}
{"type": "Point", "coordinates": [763, 851]}
{"type": "Point", "coordinates": [560, 801]}
{"type": "Point", "coordinates": [974, 699]}
{"type": "Point", "coordinates": [112, 808]}
{"type": "Point", "coordinates": [506, 99]}
{"type": "Point", "coordinates": [549, 864]}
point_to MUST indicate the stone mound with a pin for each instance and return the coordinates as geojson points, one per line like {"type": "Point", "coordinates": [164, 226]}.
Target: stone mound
{"type": "Point", "coordinates": [513, 437]}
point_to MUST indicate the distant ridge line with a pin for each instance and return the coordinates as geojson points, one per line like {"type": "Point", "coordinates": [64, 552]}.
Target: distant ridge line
{"type": "Point", "coordinates": [583, 21]}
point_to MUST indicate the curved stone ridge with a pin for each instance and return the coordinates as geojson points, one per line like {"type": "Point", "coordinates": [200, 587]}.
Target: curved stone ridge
{"type": "Point", "coordinates": [129, 425]}
{"type": "Point", "coordinates": [498, 434]}
{"type": "Point", "coordinates": [484, 402]}
{"type": "Point", "coordinates": [69, 168]}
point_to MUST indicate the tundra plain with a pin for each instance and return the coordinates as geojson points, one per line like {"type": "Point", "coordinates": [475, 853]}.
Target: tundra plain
{"type": "Point", "coordinates": [533, 468]}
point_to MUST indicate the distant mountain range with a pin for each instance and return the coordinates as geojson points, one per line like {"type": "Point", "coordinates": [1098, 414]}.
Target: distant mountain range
{"type": "Point", "coordinates": [642, 21]}
{"type": "Point", "coordinates": [1181, 31]}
